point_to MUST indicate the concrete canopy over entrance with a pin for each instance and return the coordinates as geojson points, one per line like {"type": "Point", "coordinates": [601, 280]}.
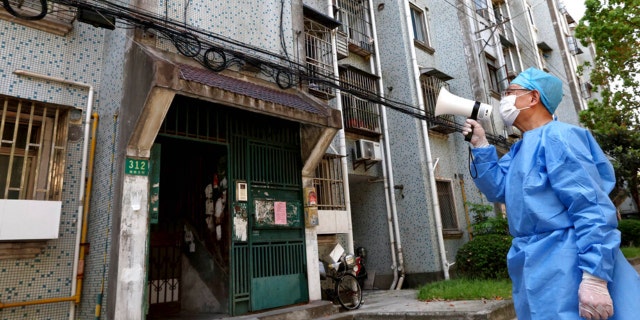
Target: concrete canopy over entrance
{"type": "Point", "coordinates": [162, 75]}
{"type": "Point", "coordinates": [152, 80]}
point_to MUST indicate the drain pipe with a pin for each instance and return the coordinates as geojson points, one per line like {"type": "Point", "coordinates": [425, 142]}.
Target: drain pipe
{"type": "Point", "coordinates": [427, 149]}
{"type": "Point", "coordinates": [77, 269]}
{"type": "Point", "coordinates": [387, 172]}
{"type": "Point", "coordinates": [342, 147]}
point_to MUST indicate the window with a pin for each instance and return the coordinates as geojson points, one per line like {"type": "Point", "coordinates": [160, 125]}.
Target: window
{"type": "Point", "coordinates": [430, 86]}
{"type": "Point", "coordinates": [585, 89]}
{"type": "Point", "coordinates": [360, 115]}
{"type": "Point", "coordinates": [512, 63]}
{"type": "Point", "coordinates": [494, 80]}
{"type": "Point", "coordinates": [319, 58]}
{"type": "Point", "coordinates": [481, 8]}
{"type": "Point", "coordinates": [574, 47]}
{"type": "Point", "coordinates": [32, 149]}
{"type": "Point", "coordinates": [329, 184]}
{"type": "Point", "coordinates": [530, 14]}
{"type": "Point", "coordinates": [447, 206]}
{"type": "Point", "coordinates": [356, 24]}
{"type": "Point", "coordinates": [420, 27]}
{"type": "Point", "coordinates": [503, 23]}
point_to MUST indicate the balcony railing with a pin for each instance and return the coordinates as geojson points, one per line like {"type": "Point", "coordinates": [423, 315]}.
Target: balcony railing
{"type": "Point", "coordinates": [356, 24]}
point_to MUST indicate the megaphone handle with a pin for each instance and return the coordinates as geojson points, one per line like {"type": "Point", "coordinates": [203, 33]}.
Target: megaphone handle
{"type": "Point", "coordinates": [474, 116]}
{"type": "Point", "coordinates": [467, 138]}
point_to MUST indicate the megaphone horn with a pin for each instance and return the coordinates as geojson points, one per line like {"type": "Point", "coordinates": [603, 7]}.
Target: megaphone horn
{"type": "Point", "coordinates": [449, 103]}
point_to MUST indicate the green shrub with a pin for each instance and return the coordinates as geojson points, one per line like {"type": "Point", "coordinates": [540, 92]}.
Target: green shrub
{"type": "Point", "coordinates": [630, 230]}
{"type": "Point", "coordinates": [484, 257]}
{"type": "Point", "coordinates": [485, 224]}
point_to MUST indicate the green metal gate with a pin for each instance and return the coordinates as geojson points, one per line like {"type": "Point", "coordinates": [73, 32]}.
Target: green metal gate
{"type": "Point", "coordinates": [268, 266]}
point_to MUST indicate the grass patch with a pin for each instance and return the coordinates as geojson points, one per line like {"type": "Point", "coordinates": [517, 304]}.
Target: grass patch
{"type": "Point", "coordinates": [630, 252]}
{"type": "Point", "coordinates": [465, 289]}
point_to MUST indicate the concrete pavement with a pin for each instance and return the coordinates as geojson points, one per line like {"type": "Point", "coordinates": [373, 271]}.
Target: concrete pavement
{"type": "Point", "coordinates": [398, 304]}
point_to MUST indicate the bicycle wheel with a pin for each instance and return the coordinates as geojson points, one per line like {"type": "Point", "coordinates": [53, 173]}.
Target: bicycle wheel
{"type": "Point", "coordinates": [349, 292]}
{"type": "Point", "coordinates": [26, 9]}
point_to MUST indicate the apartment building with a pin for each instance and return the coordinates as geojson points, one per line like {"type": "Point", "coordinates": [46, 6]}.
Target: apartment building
{"type": "Point", "coordinates": [164, 157]}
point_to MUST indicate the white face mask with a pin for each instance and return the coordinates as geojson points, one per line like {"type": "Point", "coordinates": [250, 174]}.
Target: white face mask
{"type": "Point", "coordinates": [508, 110]}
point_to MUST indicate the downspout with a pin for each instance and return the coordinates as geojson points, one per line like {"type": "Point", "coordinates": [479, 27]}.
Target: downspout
{"type": "Point", "coordinates": [427, 150]}
{"type": "Point", "coordinates": [387, 172]}
{"type": "Point", "coordinates": [342, 147]}
{"type": "Point", "coordinates": [76, 283]}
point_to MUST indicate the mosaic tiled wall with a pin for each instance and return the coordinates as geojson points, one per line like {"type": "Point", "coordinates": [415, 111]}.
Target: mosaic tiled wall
{"type": "Point", "coordinates": [415, 211]}
{"type": "Point", "coordinates": [244, 21]}
{"type": "Point", "coordinates": [77, 57]}
{"type": "Point", "coordinates": [105, 178]}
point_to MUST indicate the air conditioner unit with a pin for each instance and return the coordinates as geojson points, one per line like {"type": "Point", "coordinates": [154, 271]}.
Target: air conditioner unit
{"type": "Point", "coordinates": [368, 150]}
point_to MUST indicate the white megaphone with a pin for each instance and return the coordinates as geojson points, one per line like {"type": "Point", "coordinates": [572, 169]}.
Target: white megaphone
{"type": "Point", "coordinates": [451, 104]}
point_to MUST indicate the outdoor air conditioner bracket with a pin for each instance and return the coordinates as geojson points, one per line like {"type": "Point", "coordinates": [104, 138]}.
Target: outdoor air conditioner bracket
{"type": "Point", "coordinates": [357, 163]}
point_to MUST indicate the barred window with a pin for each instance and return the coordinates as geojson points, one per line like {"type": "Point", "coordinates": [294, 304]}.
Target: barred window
{"type": "Point", "coordinates": [430, 90]}
{"type": "Point", "coordinates": [32, 149]}
{"type": "Point", "coordinates": [319, 58]}
{"type": "Point", "coordinates": [360, 115]}
{"type": "Point", "coordinates": [356, 24]}
{"type": "Point", "coordinates": [447, 207]}
{"type": "Point", "coordinates": [329, 183]}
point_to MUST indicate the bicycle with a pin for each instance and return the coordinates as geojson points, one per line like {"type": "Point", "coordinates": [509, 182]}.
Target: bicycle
{"type": "Point", "coordinates": [346, 289]}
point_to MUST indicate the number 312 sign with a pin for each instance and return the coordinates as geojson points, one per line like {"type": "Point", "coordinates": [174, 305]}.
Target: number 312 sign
{"type": "Point", "coordinates": [136, 167]}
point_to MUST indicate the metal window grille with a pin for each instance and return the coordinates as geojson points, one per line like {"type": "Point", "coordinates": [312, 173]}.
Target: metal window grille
{"type": "Point", "coordinates": [574, 47]}
{"type": "Point", "coordinates": [32, 149]}
{"type": "Point", "coordinates": [447, 207]}
{"type": "Point", "coordinates": [329, 184]}
{"type": "Point", "coordinates": [319, 57]}
{"type": "Point", "coordinates": [356, 23]}
{"type": "Point", "coordinates": [430, 90]}
{"type": "Point", "coordinates": [359, 114]}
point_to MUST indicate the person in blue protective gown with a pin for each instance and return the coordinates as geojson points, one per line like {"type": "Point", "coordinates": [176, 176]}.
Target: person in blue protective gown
{"type": "Point", "coordinates": [565, 261]}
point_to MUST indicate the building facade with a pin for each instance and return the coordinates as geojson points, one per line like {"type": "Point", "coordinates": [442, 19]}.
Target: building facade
{"type": "Point", "coordinates": [202, 157]}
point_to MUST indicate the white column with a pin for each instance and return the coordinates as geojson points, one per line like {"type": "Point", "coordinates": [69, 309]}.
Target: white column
{"type": "Point", "coordinates": [132, 255]}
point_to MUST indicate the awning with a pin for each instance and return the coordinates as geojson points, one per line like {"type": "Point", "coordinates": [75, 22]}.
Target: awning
{"type": "Point", "coordinates": [185, 76]}
{"type": "Point", "coordinates": [154, 77]}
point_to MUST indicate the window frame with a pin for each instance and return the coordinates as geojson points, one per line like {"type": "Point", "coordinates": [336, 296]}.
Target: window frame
{"type": "Point", "coordinates": [492, 75]}
{"type": "Point", "coordinates": [356, 24]}
{"type": "Point", "coordinates": [318, 40]}
{"type": "Point", "coordinates": [448, 211]}
{"type": "Point", "coordinates": [482, 8]}
{"type": "Point", "coordinates": [45, 141]}
{"type": "Point", "coordinates": [359, 115]}
{"type": "Point", "coordinates": [329, 183]}
{"type": "Point", "coordinates": [419, 22]}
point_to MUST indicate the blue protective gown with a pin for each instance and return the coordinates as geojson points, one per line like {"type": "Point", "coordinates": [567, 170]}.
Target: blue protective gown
{"type": "Point", "coordinates": [555, 184]}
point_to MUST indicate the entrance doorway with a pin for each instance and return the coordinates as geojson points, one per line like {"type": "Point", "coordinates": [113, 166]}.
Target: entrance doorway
{"type": "Point", "coordinates": [188, 269]}
{"type": "Point", "coordinates": [230, 237]}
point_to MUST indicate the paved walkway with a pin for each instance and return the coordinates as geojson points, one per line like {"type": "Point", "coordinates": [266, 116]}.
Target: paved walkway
{"type": "Point", "coordinates": [397, 304]}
